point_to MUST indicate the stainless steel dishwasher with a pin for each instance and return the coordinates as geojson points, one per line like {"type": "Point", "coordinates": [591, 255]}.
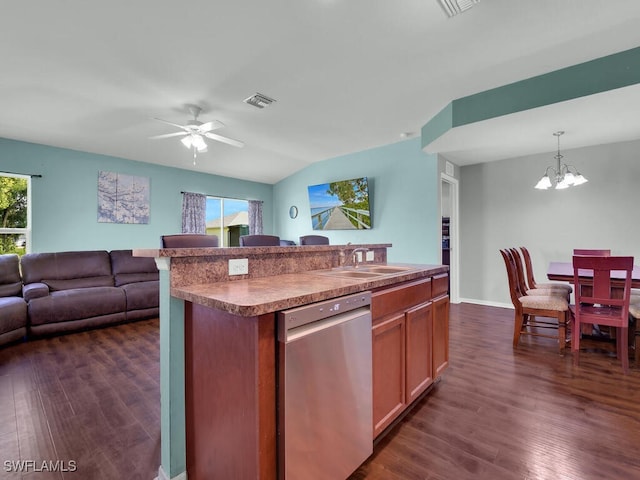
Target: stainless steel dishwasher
{"type": "Point", "coordinates": [325, 420]}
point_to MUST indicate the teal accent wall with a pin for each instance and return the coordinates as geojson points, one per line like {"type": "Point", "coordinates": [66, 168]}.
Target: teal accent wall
{"type": "Point", "coordinates": [403, 188]}
{"type": "Point", "coordinates": [65, 199]}
{"type": "Point", "coordinates": [600, 75]}
{"type": "Point", "coordinates": [438, 125]}
{"type": "Point", "coordinates": [588, 78]}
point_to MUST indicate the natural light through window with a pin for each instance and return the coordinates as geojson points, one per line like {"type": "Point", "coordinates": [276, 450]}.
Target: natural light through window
{"type": "Point", "coordinates": [228, 218]}
{"type": "Point", "coordinates": [15, 214]}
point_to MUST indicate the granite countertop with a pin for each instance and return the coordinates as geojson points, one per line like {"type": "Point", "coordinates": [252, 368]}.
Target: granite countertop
{"type": "Point", "coordinates": [243, 251]}
{"type": "Point", "coordinates": [258, 296]}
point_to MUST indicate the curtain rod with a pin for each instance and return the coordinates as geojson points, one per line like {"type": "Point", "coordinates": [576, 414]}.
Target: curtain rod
{"type": "Point", "coordinates": [32, 175]}
{"type": "Point", "coordinates": [230, 198]}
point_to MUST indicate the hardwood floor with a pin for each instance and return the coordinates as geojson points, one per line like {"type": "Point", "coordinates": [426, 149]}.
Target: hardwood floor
{"type": "Point", "coordinates": [90, 400]}
{"type": "Point", "coordinates": [527, 414]}
{"type": "Point", "coordinates": [498, 413]}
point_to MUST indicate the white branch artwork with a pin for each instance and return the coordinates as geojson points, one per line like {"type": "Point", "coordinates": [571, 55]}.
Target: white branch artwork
{"type": "Point", "coordinates": [122, 198]}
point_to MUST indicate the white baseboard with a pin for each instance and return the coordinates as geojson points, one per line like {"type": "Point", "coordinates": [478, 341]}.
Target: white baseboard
{"type": "Point", "coordinates": [164, 476]}
{"type": "Point", "coordinates": [487, 303]}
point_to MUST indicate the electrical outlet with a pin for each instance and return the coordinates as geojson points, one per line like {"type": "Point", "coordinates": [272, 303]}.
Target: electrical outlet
{"type": "Point", "coordinates": [359, 256]}
{"type": "Point", "coordinates": [238, 266]}
{"type": "Point", "coordinates": [369, 256]}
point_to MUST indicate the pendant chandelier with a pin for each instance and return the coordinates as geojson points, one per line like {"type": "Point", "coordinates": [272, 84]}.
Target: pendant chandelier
{"type": "Point", "coordinates": [562, 176]}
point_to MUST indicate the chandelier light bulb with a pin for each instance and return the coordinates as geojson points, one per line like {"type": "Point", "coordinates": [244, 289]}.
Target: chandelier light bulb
{"type": "Point", "coordinates": [544, 183]}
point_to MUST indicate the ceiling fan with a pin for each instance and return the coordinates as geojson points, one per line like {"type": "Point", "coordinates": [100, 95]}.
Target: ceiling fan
{"type": "Point", "coordinates": [194, 132]}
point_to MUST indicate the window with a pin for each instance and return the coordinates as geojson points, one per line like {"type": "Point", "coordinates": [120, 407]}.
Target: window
{"type": "Point", "coordinates": [228, 218]}
{"type": "Point", "coordinates": [15, 213]}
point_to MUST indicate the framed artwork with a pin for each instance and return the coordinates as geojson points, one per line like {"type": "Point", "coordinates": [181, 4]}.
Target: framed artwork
{"type": "Point", "coordinates": [122, 198]}
{"type": "Point", "coordinates": [342, 205]}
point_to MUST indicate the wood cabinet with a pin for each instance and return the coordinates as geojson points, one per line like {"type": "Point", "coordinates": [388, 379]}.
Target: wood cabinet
{"type": "Point", "coordinates": [419, 373]}
{"type": "Point", "coordinates": [440, 339]}
{"type": "Point", "coordinates": [410, 344]}
{"type": "Point", "coordinates": [389, 397]}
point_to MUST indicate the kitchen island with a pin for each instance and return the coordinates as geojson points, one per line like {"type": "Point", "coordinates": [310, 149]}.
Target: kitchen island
{"type": "Point", "coordinates": [230, 343]}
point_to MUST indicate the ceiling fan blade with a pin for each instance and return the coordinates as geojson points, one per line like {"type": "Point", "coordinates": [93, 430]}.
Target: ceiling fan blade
{"type": "Point", "coordinates": [168, 135]}
{"type": "Point", "coordinates": [220, 138]}
{"type": "Point", "coordinates": [171, 123]}
{"type": "Point", "coordinates": [212, 125]}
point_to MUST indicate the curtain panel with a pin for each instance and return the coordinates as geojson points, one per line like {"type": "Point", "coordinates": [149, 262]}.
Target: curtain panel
{"type": "Point", "coordinates": [255, 217]}
{"type": "Point", "coordinates": [194, 211]}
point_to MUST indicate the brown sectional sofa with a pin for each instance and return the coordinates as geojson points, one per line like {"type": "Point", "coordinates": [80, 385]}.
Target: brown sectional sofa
{"type": "Point", "coordinates": [70, 291]}
{"type": "Point", "coordinates": [13, 308]}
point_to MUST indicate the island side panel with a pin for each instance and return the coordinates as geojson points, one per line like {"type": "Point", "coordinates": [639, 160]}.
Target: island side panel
{"type": "Point", "coordinates": [230, 393]}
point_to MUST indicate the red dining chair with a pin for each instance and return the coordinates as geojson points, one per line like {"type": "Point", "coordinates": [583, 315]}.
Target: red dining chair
{"type": "Point", "coordinates": [562, 288]}
{"type": "Point", "coordinates": [591, 252]}
{"type": "Point", "coordinates": [529, 307]}
{"type": "Point", "coordinates": [597, 305]}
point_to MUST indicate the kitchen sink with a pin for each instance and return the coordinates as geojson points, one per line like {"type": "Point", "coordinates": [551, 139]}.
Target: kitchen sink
{"type": "Point", "coordinates": [349, 273]}
{"type": "Point", "coordinates": [383, 269]}
{"type": "Point", "coordinates": [363, 271]}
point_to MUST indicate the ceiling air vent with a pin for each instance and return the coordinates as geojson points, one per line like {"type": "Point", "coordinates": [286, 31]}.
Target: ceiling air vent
{"type": "Point", "coordinates": [454, 7]}
{"type": "Point", "coordinates": [259, 100]}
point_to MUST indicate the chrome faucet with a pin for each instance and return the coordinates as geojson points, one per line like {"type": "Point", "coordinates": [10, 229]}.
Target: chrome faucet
{"type": "Point", "coordinates": [354, 257]}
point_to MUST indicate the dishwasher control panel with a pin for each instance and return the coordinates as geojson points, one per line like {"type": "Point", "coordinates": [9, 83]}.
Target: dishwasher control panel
{"type": "Point", "coordinates": [305, 314]}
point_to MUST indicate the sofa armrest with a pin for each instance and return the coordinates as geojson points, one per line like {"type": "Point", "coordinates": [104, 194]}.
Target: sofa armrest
{"type": "Point", "coordinates": [34, 290]}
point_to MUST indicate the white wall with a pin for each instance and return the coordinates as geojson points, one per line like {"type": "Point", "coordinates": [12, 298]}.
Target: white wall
{"type": "Point", "coordinates": [500, 208]}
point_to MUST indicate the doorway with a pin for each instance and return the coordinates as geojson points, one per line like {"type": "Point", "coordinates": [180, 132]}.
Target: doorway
{"type": "Point", "coordinates": [450, 242]}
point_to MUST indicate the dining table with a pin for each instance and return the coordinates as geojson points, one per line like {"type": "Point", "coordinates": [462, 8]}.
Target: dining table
{"type": "Point", "coordinates": [563, 272]}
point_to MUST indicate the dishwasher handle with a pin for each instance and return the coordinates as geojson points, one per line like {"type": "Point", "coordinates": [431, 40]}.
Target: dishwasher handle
{"type": "Point", "coordinates": [302, 331]}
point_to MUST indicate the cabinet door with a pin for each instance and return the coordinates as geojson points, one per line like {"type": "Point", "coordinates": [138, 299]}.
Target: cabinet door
{"type": "Point", "coordinates": [419, 367]}
{"type": "Point", "coordinates": [388, 371]}
{"type": "Point", "coordinates": [440, 335]}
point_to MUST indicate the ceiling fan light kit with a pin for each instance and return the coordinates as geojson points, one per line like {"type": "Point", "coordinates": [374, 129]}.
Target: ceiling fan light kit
{"type": "Point", "coordinates": [194, 141]}
{"type": "Point", "coordinates": [194, 133]}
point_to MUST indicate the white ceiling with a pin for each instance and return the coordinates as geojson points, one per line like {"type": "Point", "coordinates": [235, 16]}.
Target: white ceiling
{"type": "Point", "coordinates": [347, 75]}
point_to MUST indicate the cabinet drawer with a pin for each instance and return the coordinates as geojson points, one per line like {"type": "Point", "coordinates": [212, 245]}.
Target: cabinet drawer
{"type": "Point", "coordinates": [440, 285]}
{"type": "Point", "coordinates": [400, 298]}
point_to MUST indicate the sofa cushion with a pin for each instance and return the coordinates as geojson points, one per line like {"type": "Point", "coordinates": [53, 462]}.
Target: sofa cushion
{"type": "Point", "coordinates": [48, 268]}
{"type": "Point", "coordinates": [10, 282]}
{"type": "Point", "coordinates": [75, 304]}
{"type": "Point", "coordinates": [13, 314]}
{"type": "Point", "coordinates": [129, 269]}
{"type": "Point", "coordinates": [142, 295]}
{"type": "Point", "coordinates": [72, 283]}
{"type": "Point", "coordinates": [34, 290]}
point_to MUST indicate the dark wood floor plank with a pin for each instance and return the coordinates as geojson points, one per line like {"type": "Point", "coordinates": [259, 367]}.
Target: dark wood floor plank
{"type": "Point", "coordinates": [498, 412]}
{"type": "Point", "coordinates": [10, 453]}
{"type": "Point", "coordinates": [530, 407]}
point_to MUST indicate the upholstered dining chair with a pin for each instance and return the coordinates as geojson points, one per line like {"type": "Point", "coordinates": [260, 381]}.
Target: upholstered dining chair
{"type": "Point", "coordinates": [598, 305]}
{"type": "Point", "coordinates": [528, 309]}
{"type": "Point", "coordinates": [522, 279]}
{"type": "Point", "coordinates": [531, 281]}
{"type": "Point", "coordinates": [189, 240]}
{"type": "Point", "coordinates": [259, 241]}
{"type": "Point", "coordinates": [314, 240]}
